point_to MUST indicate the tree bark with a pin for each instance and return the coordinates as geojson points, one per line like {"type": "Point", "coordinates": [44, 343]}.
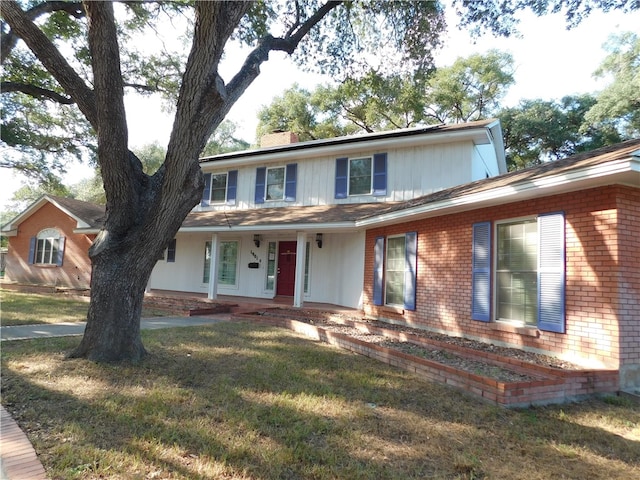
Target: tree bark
{"type": "Point", "coordinates": [143, 213]}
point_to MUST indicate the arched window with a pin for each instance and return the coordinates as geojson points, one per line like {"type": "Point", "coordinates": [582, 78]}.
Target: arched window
{"type": "Point", "coordinates": [47, 248]}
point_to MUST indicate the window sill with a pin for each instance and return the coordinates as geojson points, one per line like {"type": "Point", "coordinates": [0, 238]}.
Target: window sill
{"type": "Point", "coordinates": [518, 330]}
{"type": "Point", "coordinates": [396, 310]}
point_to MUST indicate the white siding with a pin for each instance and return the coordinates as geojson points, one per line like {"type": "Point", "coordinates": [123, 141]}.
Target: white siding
{"type": "Point", "coordinates": [411, 172]}
{"type": "Point", "coordinates": [335, 270]}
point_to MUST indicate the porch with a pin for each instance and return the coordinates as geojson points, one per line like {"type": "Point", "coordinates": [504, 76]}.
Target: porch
{"type": "Point", "coordinates": [191, 304]}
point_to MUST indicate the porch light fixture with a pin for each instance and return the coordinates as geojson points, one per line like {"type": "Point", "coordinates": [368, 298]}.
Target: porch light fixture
{"type": "Point", "coordinates": [319, 239]}
{"type": "Point", "coordinates": [256, 240]}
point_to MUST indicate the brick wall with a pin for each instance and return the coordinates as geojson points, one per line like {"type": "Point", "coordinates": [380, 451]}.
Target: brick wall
{"type": "Point", "coordinates": [602, 282]}
{"type": "Point", "coordinates": [75, 271]}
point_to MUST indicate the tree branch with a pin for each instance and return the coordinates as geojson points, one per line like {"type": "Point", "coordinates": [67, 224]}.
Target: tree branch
{"type": "Point", "coordinates": [35, 91]}
{"type": "Point", "coordinates": [251, 67]}
{"type": "Point", "coordinates": [10, 39]}
{"type": "Point", "coordinates": [51, 58]}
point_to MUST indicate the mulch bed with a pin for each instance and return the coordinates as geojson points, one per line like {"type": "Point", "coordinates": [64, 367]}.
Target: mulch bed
{"type": "Point", "coordinates": [434, 348]}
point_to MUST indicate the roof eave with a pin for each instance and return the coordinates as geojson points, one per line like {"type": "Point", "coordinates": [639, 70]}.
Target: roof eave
{"type": "Point", "coordinates": [625, 172]}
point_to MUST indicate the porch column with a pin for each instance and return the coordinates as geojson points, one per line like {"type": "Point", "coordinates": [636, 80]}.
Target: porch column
{"type": "Point", "coordinates": [212, 292]}
{"type": "Point", "coordinates": [301, 254]}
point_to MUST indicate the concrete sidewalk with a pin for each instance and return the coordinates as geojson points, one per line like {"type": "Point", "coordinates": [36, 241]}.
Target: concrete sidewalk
{"type": "Point", "coordinates": [18, 459]}
{"type": "Point", "coordinates": [65, 329]}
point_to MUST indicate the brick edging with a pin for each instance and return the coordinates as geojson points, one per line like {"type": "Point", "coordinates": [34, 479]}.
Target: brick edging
{"type": "Point", "coordinates": [550, 385]}
{"type": "Point", "coordinates": [19, 459]}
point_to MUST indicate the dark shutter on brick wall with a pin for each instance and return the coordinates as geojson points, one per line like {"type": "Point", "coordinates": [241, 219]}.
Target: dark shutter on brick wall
{"type": "Point", "coordinates": [60, 257]}
{"type": "Point", "coordinates": [410, 272]}
{"type": "Point", "coordinates": [481, 272]}
{"type": "Point", "coordinates": [32, 250]}
{"type": "Point", "coordinates": [551, 272]}
{"type": "Point", "coordinates": [378, 271]}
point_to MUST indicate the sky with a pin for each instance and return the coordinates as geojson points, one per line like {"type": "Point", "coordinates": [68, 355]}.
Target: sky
{"type": "Point", "coordinates": [550, 62]}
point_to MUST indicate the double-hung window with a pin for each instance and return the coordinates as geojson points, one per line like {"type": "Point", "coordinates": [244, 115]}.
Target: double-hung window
{"type": "Point", "coordinates": [361, 176]}
{"type": "Point", "coordinates": [220, 188]}
{"type": "Point", "coordinates": [528, 272]}
{"type": "Point", "coordinates": [276, 183]}
{"type": "Point", "coordinates": [227, 263]}
{"type": "Point", "coordinates": [47, 248]}
{"type": "Point", "coordinates": [395, 274]}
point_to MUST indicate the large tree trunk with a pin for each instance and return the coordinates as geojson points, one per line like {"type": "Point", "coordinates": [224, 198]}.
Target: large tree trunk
{"type": "Point", "coordinates": [143, 213]}
{"type": "Point", "coordinates": [113, 321]}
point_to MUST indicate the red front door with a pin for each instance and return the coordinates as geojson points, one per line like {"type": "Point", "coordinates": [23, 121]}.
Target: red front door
{"type": "Point", "coordinates": [286, 269]}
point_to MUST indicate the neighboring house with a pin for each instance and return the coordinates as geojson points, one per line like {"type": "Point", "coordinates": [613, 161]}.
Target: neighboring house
{"type": "Point", "coordinates": [48, 242]}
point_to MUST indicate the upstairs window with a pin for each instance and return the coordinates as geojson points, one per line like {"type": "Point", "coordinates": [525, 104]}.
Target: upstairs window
{"type": "Point", "coordinates": [361, 176]}
{"type": "Point", "coordinates": [220, 188]}
{"type": "Point", "coordinates": [47, 248]}
{"type": "Point", "coordinates": [276, 183]}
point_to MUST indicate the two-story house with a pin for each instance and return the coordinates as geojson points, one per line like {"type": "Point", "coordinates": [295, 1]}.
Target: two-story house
{"type": "Point", "coordinates": [282, 220]}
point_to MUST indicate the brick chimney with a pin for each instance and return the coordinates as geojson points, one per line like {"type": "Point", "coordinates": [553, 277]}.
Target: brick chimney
{"type": "Point", "coordinates": [278, 138]}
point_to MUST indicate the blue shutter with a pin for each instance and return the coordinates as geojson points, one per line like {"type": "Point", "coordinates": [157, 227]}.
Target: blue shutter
{"type": "Point", "coordinates": [290, 182]}
{"type": "Point", "coordinates": [410, 272]}
{"type": "Point", "coordinates": [342, 180]}
{"type": "Point", "coordinates": [551, 272]}
{"type": "Point", "coordinates": [32, 250]}
{"type": "Point", "coordinates": [206, 192]}
{"type": "Point", "coordinates": [232, 187]}
{"type": "Point", "coordinates": [380, 174]}
{"type": "Point", "coordinates": [378, 270]}
{"type": "Point", "coordinates": [261, 180]}
{"type": "Point", "coordinates": [171, 251]}
{"type": "Point", "coordinates": [481, 272]}
{"type": "Point", "coordinates": [60, 256]}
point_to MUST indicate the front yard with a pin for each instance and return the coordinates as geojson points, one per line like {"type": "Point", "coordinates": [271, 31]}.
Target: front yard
{"type": "Point", "coordinates": [242, 401]}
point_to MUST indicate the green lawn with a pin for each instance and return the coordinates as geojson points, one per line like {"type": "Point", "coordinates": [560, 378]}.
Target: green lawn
{"type": "Point", "coordinates": [18, 308]}
{"type": "Point", "coordinates": [241, 401]}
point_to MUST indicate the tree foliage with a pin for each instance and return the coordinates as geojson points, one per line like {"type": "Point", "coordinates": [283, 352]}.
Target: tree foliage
{"type": "Point", "coordinates": [541, 130]}
{"type": "Point", "coordinates": [468, 90]}
{"type": "Point", "coordinates": [621, 98]}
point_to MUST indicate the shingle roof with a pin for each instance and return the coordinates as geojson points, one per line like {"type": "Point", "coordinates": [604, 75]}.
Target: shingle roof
{"type": "Point", "coordinates": [557, 167]}
{"type": "Point", "coordinates": [286, 216]}
{"type": "Point", "coordinates": [90, 213]}
{"type": "Point", "coordinates": [351, 213]}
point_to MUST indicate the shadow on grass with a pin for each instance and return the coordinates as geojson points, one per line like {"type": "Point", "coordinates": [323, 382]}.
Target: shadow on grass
{"type": "Point", "coordinates": [245, 401]}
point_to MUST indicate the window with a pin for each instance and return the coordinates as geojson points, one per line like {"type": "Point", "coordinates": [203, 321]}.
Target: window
{"type": "Point", "coordinates": [276, 183]}
{"type": "Point", "coordinates": [47, 248]}
{"type": "Point", "coordinates": [529, 272]}
{"type": "Point", "coordinates": [395, 271]}
{"type": "Point", "coordinates": [361, 176]}
{"type": "Point", "coordinates": [220, 188]}
{"type": "Point", "coordinates": [517, 271]}
{"type": "Point", "coordinates": [171, 251]}
{"type": "Point", "coordinates": [271, 267]}
{"type": "Point", "coordinates": [227, 263]}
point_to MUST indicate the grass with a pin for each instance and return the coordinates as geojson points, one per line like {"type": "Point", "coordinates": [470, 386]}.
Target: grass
{"type": "Point", "coordinates": [241, 401]}
{"type": "Point", "coordinates": [18, 308]}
